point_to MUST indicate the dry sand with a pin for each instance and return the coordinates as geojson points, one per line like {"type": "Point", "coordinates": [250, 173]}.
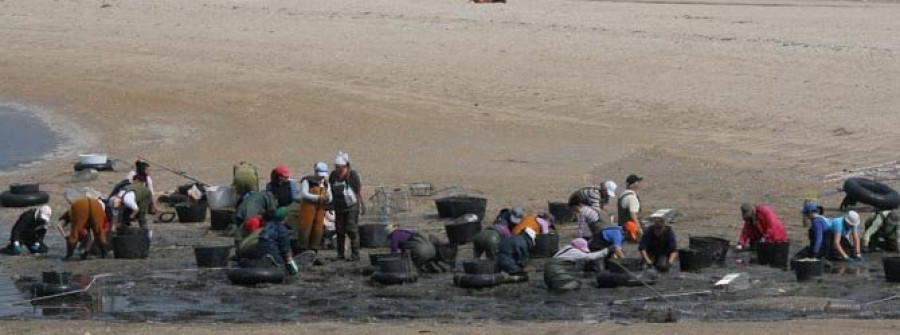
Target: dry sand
{"type": "Point", "coordinates": [717, 102]}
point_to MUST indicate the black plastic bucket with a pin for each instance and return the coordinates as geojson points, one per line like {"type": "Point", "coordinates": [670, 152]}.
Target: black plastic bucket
{"type": "Point", "coordinates": [131, 246]}
{"type": "Point", "coordinates": [373, 236]}
{"type": "Point", "coordinates": [462, 232]}
{"type": "Point", "coordinates": [891, 269]}
{"type": "Point", "coordinates": [807, 268]}
{"type": "Point", "coordinates": [716, 247]}
{"type": "Point", "coordinates": [479, 267]}
{"type": "Point", "coordinates": [397, 263]}
{"type": "Point", "coordinates": [774, 254]}
{"type": "Point", "coordinates": [188, 213]}
{"type": "Point", "coordinates": [545, 245]}
{"type": "Point", "coordinates": [632, 264]}
{"type": "Point", "coordinates": [220, 219]}
{"type": "Point", "coordinates": [454, 207]}
{"type": "Point", "coordinates": [212, 257]}
{"type": "Point", "coordinates": [55, 278]}
{"type": "Point", "coordinates": [694, 260]}
{"type": "Point", "coordinates": [561, 212]}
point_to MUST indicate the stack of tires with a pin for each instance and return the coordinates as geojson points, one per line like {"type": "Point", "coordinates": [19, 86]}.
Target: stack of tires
{"type": "Point", "coordinates": [24, 195]}
{"type": "Point", "coordinates": [478, 274]}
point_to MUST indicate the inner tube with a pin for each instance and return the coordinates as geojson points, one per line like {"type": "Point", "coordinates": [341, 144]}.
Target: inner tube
{"type": "Point", "coordinates": [390, 278]}
{"type": "Point", "coordinates": [871, 193]}
{"type": "Point", "coordinates": [29, 188]}
{"type": "Point", "coordinates": [9, 199]}
{"type": "Point", "coordinates": [477, 281]}
{"type": "Point", "coordinates": [253, 276]}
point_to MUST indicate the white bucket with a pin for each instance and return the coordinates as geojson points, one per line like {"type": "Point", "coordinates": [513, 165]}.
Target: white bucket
{"type": "Point", "coordinates": [92, 159]}
{"type": "Point", "coordinates": [220, 196]}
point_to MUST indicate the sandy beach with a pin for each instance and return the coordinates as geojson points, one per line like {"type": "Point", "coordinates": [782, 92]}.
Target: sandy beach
{"type": "Point", "coordinates": [715, 102]}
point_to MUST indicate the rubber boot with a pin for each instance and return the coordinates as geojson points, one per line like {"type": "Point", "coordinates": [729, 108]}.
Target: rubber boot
{"type": "Point", "coordinates": [103, 251]}
{"type": "Point", "coordinates": [354, 254]}
{"type": "Point", "coordinates": [70, 251]}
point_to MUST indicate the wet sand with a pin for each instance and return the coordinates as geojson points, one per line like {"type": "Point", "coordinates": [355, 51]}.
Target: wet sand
{"type": "Point", "coordinates": [715, 103]}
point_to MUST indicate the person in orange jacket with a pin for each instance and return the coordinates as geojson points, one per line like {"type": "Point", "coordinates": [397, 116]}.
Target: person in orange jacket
{"type": "Point", "coordinates": [540, 223]}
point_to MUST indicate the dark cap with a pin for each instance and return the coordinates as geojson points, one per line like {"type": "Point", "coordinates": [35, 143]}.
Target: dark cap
{"type": "Point", "coordinates": [633, 178]}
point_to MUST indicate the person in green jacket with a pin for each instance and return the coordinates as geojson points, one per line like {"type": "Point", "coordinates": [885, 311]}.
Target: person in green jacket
{"type": "Point", "coordinates": [134, 202]}
{"type": "Point", "coordinates": [252, 204]}
{"type": "Point", "coordinates": [882, 231]}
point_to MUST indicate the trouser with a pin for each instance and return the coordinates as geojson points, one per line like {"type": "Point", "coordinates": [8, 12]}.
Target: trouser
{"type": "Point", "coordinates": [86, 214]}
{"type": "Point", "coordinates": [420, 249]}
{"type": "Point", "coordinates": [346, 224]}
{"type": "Point", "coordinates": [486, 243]}
{"type": "Point", "coordinates": [125, 218]}
{"type": "Point", "coordinates": [832, 252]}
{"type": "Point", "coordinates": [312, 227]}
{"type": "Point", "coordinates": [561, 275]}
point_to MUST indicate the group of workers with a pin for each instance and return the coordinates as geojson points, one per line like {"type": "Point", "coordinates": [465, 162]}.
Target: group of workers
{"type": "Point", "coordinates": [288, 217]}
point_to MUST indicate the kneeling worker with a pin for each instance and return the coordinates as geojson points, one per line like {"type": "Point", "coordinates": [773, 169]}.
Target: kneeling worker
{"type": "Point", "coordinates": [659, 247]}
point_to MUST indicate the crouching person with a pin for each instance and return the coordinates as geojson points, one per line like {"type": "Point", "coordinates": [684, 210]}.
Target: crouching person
{"type": "Point", "coordinates": [28, 232]}
{"type": "Point", "coordinates": [87, 223]}
{"type": "Point", "coordinates": [422, 250]}
{"type": "Point", "coordinates": [561, 271]}
{"type": "Point", "coordinates": [514, 252]}
{"type": "Point", "coordinates": [882, 231]}
{"type": "Point", "coordinates": [659, 248]}
{"type": "Point", "coordinates": [273, 246]}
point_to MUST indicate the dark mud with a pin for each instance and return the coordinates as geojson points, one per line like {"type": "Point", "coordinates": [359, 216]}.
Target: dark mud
{"type": "Point", "coordinates": [168, 288]}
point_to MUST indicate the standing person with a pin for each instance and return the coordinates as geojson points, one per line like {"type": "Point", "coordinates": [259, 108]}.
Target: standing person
{"type": "Point", "coordinates": [628, 208]}
{"type": "Point", "coordinates": [143, 168]}
{"type": "Point", "coordinates": [283, 187]}
{"type": "Point", "coordinates": [882, 231]}
{"type": "Point", "coordinates": [843, 234]}
{"type": "Point", "coordinates": [28, 232]}
{"type": "Point", "coordinates": [315, 196]}
{"type": "Point", "coordinates": [136, 201]}
{"type": "Point", "coordinates": [659, 248]}
{"type": "Point", "coordinates": [87, 222]}
{"type": "Point", "coordinates": [760, 224]}
{"type": "Point", "coordinates": [818, 225]}
{"type": "Point", "coordinates": [346, 188]}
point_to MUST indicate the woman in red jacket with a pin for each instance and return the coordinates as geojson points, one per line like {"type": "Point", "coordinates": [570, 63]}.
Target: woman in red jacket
{"type": "Point", "coordinates": [760, 224]}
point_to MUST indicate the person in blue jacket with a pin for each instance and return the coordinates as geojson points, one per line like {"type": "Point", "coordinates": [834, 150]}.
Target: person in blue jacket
{"type": "Point", "coordinates": [819, 225]}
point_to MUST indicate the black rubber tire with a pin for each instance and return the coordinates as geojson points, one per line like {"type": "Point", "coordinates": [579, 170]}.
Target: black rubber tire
{"type": "Point", "coordinates": [253, 276]}
{"type": "Point", "coordinates": [9, 199]}
{"type": "Point", "coordinates": [23, 189]}
{"type": "Point", "coordinates": [479, 267]}
{"type": "Point", "coordinates": [477, 281]}
{"type": "Point", "coordinates": [871, 193]}
{"type": "Point", "coordinates": [108, 166]}
{"type": "Point", "coordinates": [394, 278]}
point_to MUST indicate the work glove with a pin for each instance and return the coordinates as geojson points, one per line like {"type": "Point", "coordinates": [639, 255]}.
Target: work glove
{"type": "Point", "coordinates": [291, 267]}
{"type": "Point", "coordinates": [739, 247]}
{"type": "Point", "coordinates": [35, 248]}
{"type": "Point", "coordinates": [859, 257]}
